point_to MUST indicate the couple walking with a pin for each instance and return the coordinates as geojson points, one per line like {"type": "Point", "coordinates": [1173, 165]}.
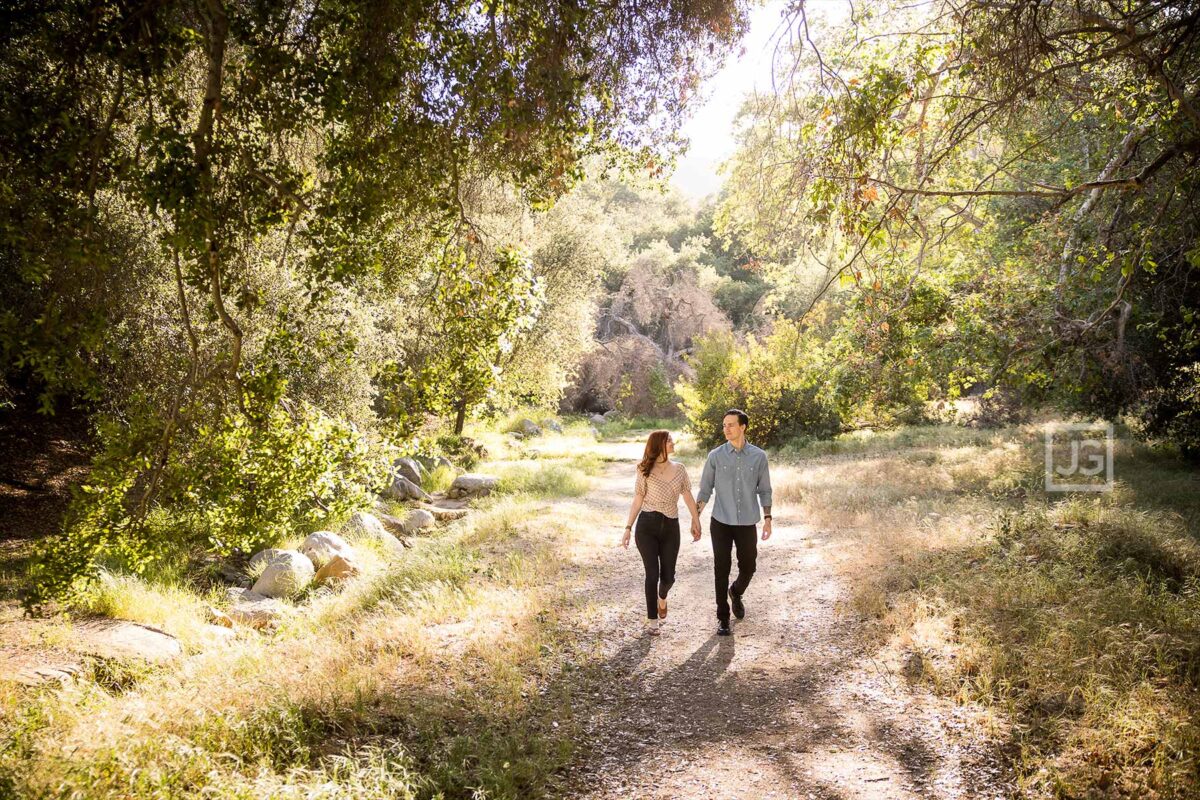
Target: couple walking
{"type": "Point", "coordinates": [737, 473]}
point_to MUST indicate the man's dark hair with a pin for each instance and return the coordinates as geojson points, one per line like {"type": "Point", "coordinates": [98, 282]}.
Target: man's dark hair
{"type": "Point", "coordinates": [743, 420]}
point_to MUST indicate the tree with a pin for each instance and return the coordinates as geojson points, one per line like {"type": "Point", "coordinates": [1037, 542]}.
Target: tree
{"type": "Point", "coordinates": [474, 321]}
{"type": "Point", "coordinates": [191, 184]}
{"type": "Point", "coordinates": [1031, 163]}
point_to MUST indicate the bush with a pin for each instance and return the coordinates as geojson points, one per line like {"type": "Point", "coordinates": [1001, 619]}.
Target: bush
{"type": "Point", "coordinates": [462, 450]}
{"type": "Point", "coordinates": [782, 383]}
{"type": "Point", "coordinates": [1173, 412]}
{"type": "Point", "coordinates": [241, 483]}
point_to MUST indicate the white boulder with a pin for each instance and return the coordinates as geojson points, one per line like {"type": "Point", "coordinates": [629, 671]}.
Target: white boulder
{"type": "Point", "coordinates": [367, 527]}
{"type": "Point", "coordinates": [286, 574]}
{"type": "Point", "coordinates": [470, 485]}
{"type": "Point", "coordinates": [418, 519]}
{"type": "Point", "coordinates": [322, 546]}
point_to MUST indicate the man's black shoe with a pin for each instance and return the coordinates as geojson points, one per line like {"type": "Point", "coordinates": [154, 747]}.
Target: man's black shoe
{"type": "Point", "coordinates": [735, 602]}
{"type": "Point", "coordinates": [723, 628]}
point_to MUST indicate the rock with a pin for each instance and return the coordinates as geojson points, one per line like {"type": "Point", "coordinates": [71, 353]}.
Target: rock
{"type": "Point", "coordinates": [285, 575]}
{"type": "Point", "coordinates": [612, 412]}
{"type": "Point", "coordinates": [368, 527]}
{"type": "Point", "coordinates": [430, 463]}
{"type": "Point", "coordinates": [418, 519]}
{"type": "Point", "coordinates": [321, 546]}
{"type": "Point", "coordinates": [219, 634]}
{"type": "Point", "coordinates": [403, 489]}
{"type": "Point", "coordinates": [443, 514]}
{"type": "Point", "coordinates": [363, 525]}
{"type": "Point", "coordinates": [338, 568]}
{"type": "Point", "coordinates": [529, 428]}
{"type": "Point", "coordinates": [218, 617]}
{"type": "Point", "coordinates": [594, 431]}
{"type": "Point", "coordinates": [409, 469]}
{"type": "Point", "coordinates": [46, 673]}
{"type": "Point", "coordinates": [391, 544]}
{"type": "Point", "coordinates": [393, 525]}
{"type": "Point", "coordinates": [552, 425]}
{"type": "Point", "coordinates": [263, 557]}
{"type": "Point", "coordinates": [470, 485]}
{"type": "Point", "coordinates": [233, 572]}
{"type": "Point", "coordinates": [120, 639]}
{"type": "Point", "coordinates": [255, 610]}
{"type": "Point", "coordinates": [597, 419]}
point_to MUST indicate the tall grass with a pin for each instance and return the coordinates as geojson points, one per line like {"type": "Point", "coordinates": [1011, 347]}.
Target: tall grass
{"type": "Point", "coordinates": [542, 480]}
{"type": "Point", "coordinates": [1072, 622]}
{"type": "Point", "coordinates": [429, 676]}
{"type": "Point", "coordinates": [438, 479]}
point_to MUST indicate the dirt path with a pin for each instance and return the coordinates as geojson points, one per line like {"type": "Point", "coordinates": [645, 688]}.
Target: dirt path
{"type": "Point", "coordinates": [790, 706]}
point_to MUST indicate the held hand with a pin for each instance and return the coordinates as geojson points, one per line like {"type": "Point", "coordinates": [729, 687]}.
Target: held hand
{"type": "Point", "coordinates": [625, 539]}
{"type": "Point", "coordinates": [695, 530]}
{"type": "Point", "coordinates": [766, 534]}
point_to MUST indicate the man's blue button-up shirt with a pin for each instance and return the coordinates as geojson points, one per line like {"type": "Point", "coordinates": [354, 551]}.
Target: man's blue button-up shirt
{"type": "Point", "coordinates": [741, 480]}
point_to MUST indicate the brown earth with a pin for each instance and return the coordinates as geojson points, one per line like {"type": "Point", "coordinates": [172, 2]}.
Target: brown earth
{"type": "Point", "coordinates": [41, 458]}
{"type": "Point", "coordinates": [793, 705]}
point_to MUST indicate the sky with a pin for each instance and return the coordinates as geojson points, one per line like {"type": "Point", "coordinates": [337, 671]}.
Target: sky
{"type": "Point", "coordinates": [711, 129]}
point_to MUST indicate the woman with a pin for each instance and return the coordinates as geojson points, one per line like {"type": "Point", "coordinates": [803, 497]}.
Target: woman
{"type": "Point", "coordinates": [656, 492]}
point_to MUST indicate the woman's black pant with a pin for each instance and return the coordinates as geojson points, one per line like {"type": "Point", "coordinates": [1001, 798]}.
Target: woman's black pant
{"type": "Point", "coordinates": [657, 540]}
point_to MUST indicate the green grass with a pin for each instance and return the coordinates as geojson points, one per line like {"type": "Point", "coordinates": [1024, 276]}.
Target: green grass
{"type": "Point", "coordinates": [511, 422]}
{"type": "Point", "coordinates": [543, 480]}
{"type": "Point", "coordinates": [623, 427]}
{"type": "Point", "coordinates": [438, 479]}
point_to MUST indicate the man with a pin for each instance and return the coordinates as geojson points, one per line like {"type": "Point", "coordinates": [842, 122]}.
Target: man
{"type": "Point", "coordinates": [738, 472]}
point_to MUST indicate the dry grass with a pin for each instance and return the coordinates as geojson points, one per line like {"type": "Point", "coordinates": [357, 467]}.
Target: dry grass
{"type": "Point", "coordinates": [427, 677]}
{"type": "Point", "coordinates": [1072, 622]}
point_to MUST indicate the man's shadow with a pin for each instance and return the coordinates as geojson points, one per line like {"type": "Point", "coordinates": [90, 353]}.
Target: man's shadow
{"type": "Point", "coordinates": [701, 671]}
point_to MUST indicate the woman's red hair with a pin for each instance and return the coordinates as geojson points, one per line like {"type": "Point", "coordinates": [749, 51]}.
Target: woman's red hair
{"type": "Point", "coordinates": [656, 448]}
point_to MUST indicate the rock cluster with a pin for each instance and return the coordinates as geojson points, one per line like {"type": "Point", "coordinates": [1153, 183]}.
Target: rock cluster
{"type": "Point", "coordinates": [326, 556]}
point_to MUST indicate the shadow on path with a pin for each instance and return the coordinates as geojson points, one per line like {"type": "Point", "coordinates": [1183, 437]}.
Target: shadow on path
{"type": "Point", "coordinates": [789, 706]}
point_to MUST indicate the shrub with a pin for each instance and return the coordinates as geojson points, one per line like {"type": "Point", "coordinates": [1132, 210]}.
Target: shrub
{"type": "Point", "coordinates": [782, 383]}
{"type": "Point", "coordinates": [239, 483]}
{"type": "Point", "coordinates": [462, 450]}
{"type": "Point", "coordinates": [628, 373]}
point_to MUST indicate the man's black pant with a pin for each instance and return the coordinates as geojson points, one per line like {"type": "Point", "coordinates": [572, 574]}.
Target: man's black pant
{"type": "Point", "coordinates": [724, 537]}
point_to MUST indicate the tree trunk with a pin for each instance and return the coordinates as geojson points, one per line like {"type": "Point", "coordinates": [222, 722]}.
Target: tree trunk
{"type": "Point", "coordinates": [461, 417]}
